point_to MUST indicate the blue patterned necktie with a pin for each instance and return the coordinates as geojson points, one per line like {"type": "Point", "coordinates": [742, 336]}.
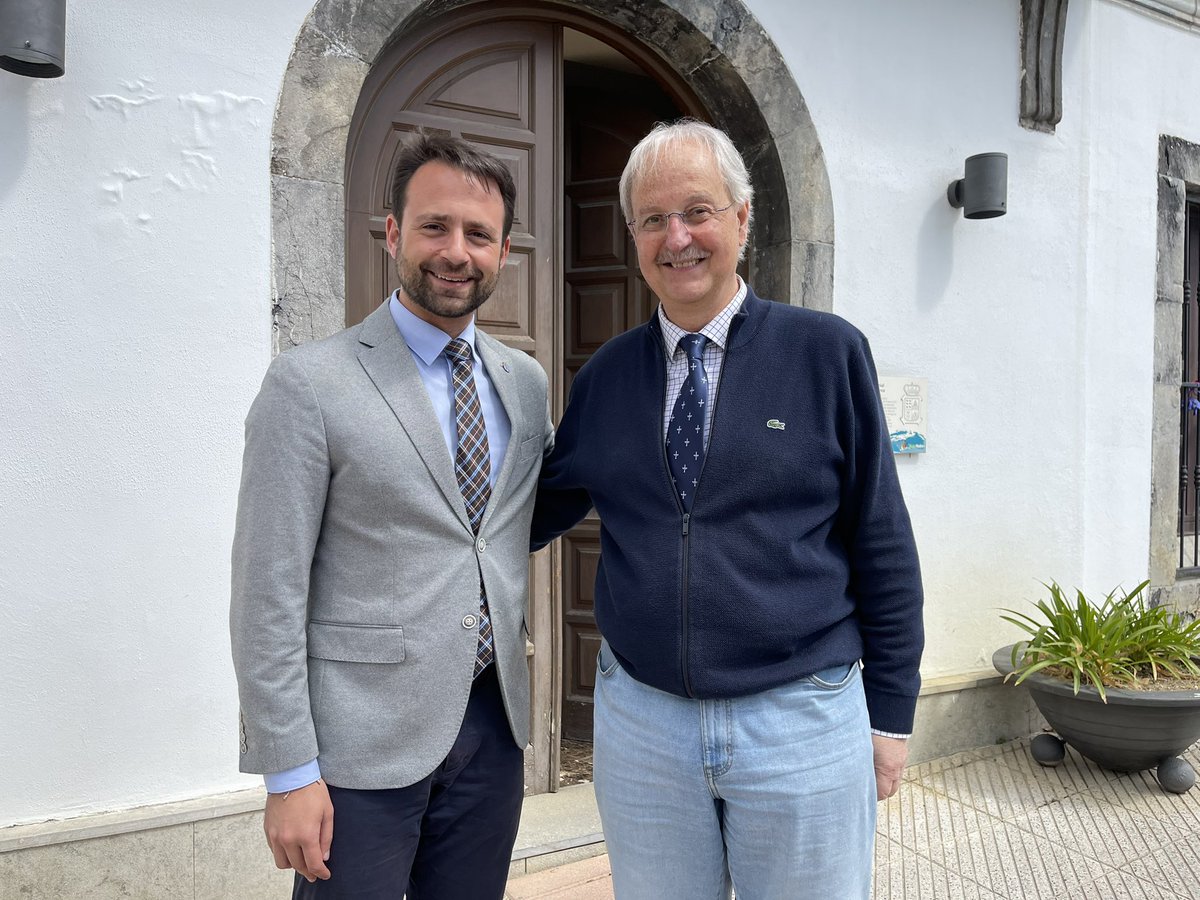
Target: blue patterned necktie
{"type": "Point", "coordinates": [685, 431]}
{"type": "Point", "coordinates": [472, 468]}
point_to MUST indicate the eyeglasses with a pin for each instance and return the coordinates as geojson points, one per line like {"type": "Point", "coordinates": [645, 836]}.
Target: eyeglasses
{"type": "Point", "coordinates": [692, 217]}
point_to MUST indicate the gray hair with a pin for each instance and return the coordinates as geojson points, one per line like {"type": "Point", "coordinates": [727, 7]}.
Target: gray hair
{"type": "Point", "coordinates": [665, 136]}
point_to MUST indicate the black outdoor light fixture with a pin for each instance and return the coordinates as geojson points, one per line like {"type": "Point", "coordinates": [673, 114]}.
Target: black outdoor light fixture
{"type": "Point", "coordinates": [32, 37]}
{"type": "Point", "coordinates": [982, 192]}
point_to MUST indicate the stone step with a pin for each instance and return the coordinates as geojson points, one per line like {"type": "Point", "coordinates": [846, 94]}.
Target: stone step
{"type": "Point", "coordinates": [556, 829]}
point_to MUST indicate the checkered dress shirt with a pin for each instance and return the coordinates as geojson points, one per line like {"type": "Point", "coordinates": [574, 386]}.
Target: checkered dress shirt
{"type": "Point", "coordinates": [717, 332]}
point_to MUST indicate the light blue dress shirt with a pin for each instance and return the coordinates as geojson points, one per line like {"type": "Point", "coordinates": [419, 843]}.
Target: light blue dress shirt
{"type": "Point", "coordinates": [428, 343]}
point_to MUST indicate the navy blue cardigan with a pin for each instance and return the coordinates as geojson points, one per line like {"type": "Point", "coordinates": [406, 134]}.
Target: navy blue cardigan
{"type": "Point", "coordinates": [798, 554]}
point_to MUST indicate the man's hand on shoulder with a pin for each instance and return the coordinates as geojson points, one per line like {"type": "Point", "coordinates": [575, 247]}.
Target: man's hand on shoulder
{"type": "Point", "coordinates": [890, 757]}
{"type": "Point", "coordinates": [299, 828]}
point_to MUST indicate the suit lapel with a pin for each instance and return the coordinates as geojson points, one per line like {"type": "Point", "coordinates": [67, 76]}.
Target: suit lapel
{"type": "Point", "coordinates": [389, 364]}
{"type": "Point", "coordinates": [495, 357]}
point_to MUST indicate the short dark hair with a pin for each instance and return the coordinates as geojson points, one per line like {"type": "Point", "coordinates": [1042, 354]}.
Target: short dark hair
{"type": "Point", "coordinates": [455, 152]}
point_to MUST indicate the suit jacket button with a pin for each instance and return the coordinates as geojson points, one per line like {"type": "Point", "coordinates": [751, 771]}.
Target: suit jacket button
{"type": "Point", "coordinates": [481, 544]}
{"type": "Point", "coordinates": [470, 621]}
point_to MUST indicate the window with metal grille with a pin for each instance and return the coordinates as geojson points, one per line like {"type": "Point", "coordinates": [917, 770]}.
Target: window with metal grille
{"type": "Point", "coordinates": [1189, 391]}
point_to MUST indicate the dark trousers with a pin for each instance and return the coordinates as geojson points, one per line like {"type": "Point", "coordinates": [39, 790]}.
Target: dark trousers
{"type": "Point", "coordinates": [447, 837]}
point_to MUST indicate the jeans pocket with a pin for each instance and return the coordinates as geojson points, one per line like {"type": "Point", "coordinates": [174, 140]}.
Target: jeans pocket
{"type": "Point", "coordinates": [606, 662]}
{"type": "Point", "coordinates": [835, 677]}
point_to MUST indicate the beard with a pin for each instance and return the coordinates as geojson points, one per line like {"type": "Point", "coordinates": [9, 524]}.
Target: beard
{"type": "Point", "coordinates": [418, 288]}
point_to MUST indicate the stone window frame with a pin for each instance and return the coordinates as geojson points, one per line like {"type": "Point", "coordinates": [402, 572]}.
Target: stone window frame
{"type": "Point", "coordinates": [721, 50]}
{"type": "Point", "coordinates": [1178, 176]}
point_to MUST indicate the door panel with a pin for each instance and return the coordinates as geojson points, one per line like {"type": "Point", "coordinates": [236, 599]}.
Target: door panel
{"type": "Point", "coordinates": [606, 114]}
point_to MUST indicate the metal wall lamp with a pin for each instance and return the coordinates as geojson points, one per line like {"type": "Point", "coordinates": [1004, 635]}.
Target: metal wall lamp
{"type": "Point", "coordinates": [32, 37]}
{"type": "Point", "coordinates": [982, 192]}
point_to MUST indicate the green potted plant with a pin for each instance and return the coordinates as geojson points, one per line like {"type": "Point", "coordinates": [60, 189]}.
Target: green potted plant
{"type": "Point", "coordinates": [1118, 680]}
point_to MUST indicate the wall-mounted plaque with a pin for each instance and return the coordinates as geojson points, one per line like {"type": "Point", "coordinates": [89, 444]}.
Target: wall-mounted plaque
{"type": "Point", "coordinates": [905, 403]}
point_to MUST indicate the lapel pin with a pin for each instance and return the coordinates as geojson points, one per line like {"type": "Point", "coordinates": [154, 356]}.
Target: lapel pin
{"type": "Point", "coordinates": [504, 366]}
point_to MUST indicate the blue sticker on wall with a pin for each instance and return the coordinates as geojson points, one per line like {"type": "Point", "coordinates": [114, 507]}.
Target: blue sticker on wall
{"type": "Point", "coordinates": [908, 442]}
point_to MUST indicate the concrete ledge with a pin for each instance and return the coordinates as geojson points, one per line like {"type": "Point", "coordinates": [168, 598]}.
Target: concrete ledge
{"type": "Point", "coordinates": [557, 829]}
{"type": "Point", "coordinates": [211, 848]}
{"type": "Point", "coordinates": [141, 855]}
{"type": "Point", "coordinates": [565, 856]}
{"type": "Point", "coordinates": [142, 818]}
{"type": "Point", "coordinates": [566, 843]}
{"type": "Point", "coordinates": [962, 712]}
{"type": "Point", "coordinates": [964, 682]}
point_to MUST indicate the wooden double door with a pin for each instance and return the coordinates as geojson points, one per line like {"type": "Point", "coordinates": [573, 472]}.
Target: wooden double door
{"type": "Point", "coordinates": [571, 282]}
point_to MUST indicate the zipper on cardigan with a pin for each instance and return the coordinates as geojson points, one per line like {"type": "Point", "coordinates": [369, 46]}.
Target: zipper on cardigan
{"type": "Point", "coordinates": [687, 517]}
{"type": "Point", "coordinates": [683, 588]}
{"type": "Point", "coordinates": [683, 640]}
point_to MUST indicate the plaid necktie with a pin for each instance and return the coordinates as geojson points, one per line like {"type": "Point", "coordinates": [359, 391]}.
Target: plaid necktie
{"type": "Point", "coordinates": [473, 468]}
{"type": "Point", "coordinates": [685, 431]}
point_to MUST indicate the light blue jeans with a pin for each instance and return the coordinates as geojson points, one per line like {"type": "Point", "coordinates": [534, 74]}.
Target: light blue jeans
{"type": "Point", "coordinates": [772, 795]}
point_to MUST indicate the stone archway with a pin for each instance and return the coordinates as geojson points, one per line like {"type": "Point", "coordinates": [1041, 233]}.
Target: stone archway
{"type": "Point", "coordinates": [724, 53]}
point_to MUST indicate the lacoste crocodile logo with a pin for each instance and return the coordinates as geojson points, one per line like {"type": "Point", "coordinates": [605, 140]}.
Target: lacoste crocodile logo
{"type": "Point", "coordinates": [776, 424]}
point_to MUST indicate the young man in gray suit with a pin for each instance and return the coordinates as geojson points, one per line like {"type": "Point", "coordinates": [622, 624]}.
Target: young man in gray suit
{"type": "Point", "coordinates": [380, 565]}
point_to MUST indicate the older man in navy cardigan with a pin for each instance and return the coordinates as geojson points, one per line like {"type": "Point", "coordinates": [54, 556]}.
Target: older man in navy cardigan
{"type": "Point", "coordinates": [758, 592]}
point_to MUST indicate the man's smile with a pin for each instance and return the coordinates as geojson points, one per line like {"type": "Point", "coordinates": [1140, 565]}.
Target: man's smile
{"type": "Point", "coordinates": [450, 279]}
{"type": "Point", "coordinates": [683, 262]}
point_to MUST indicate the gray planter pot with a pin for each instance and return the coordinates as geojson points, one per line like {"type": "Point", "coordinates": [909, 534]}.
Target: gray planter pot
{"type": "Point", "coordinates": [1133, 731]}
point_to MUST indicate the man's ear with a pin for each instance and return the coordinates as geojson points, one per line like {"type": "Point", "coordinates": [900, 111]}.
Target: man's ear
{"type": "Point", "coordinates": [504, 251]}
{"type": "Point", "coordinates": [743, 217]}
{"type": "Point", "coordinates": [393, 235]}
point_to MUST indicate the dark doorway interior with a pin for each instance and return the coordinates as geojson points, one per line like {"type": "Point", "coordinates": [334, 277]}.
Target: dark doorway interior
{"type": "Point", "coordinates": [606, 112]}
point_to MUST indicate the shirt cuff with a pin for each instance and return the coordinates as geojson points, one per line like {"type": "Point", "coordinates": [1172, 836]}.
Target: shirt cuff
{"type": "Point", "coordinates": [292, 779]}
{"type": "Point", "coordinates": [891, 734]}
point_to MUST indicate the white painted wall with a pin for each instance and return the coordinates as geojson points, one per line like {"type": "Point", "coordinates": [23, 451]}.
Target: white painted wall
{"type": "Point", "coordinates": [900, 94]}
{"type": "Point", "coordinates": [1034, 329]}
{"type": "Point", "coordinates": [134, 323]}
{"type": "Point", "coordinates": [1153, 92]}
{"type": "Point", "coordinates": [135, 328]}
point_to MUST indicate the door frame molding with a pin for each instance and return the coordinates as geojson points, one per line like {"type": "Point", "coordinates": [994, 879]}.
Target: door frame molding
{"type": "Point", "coordinates": [735, 72]}
{"type": "Point", "coordinates": [724, 69]}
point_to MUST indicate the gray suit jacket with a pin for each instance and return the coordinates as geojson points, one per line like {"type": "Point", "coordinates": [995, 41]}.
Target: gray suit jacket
{"type": "Point", "coordinates": [354, 566]}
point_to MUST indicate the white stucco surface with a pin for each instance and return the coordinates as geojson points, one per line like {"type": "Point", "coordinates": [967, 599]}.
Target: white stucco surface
{"type": "Point", "coordinates": [135, 327]}
{"type": "Point", "coordinates": [1035, 329]}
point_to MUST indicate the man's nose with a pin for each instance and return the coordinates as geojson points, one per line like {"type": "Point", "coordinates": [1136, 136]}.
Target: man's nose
{"type": "Point", "coordinates": [455, 247]}
{"type": "Point", "coordinates": [678, 235]}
